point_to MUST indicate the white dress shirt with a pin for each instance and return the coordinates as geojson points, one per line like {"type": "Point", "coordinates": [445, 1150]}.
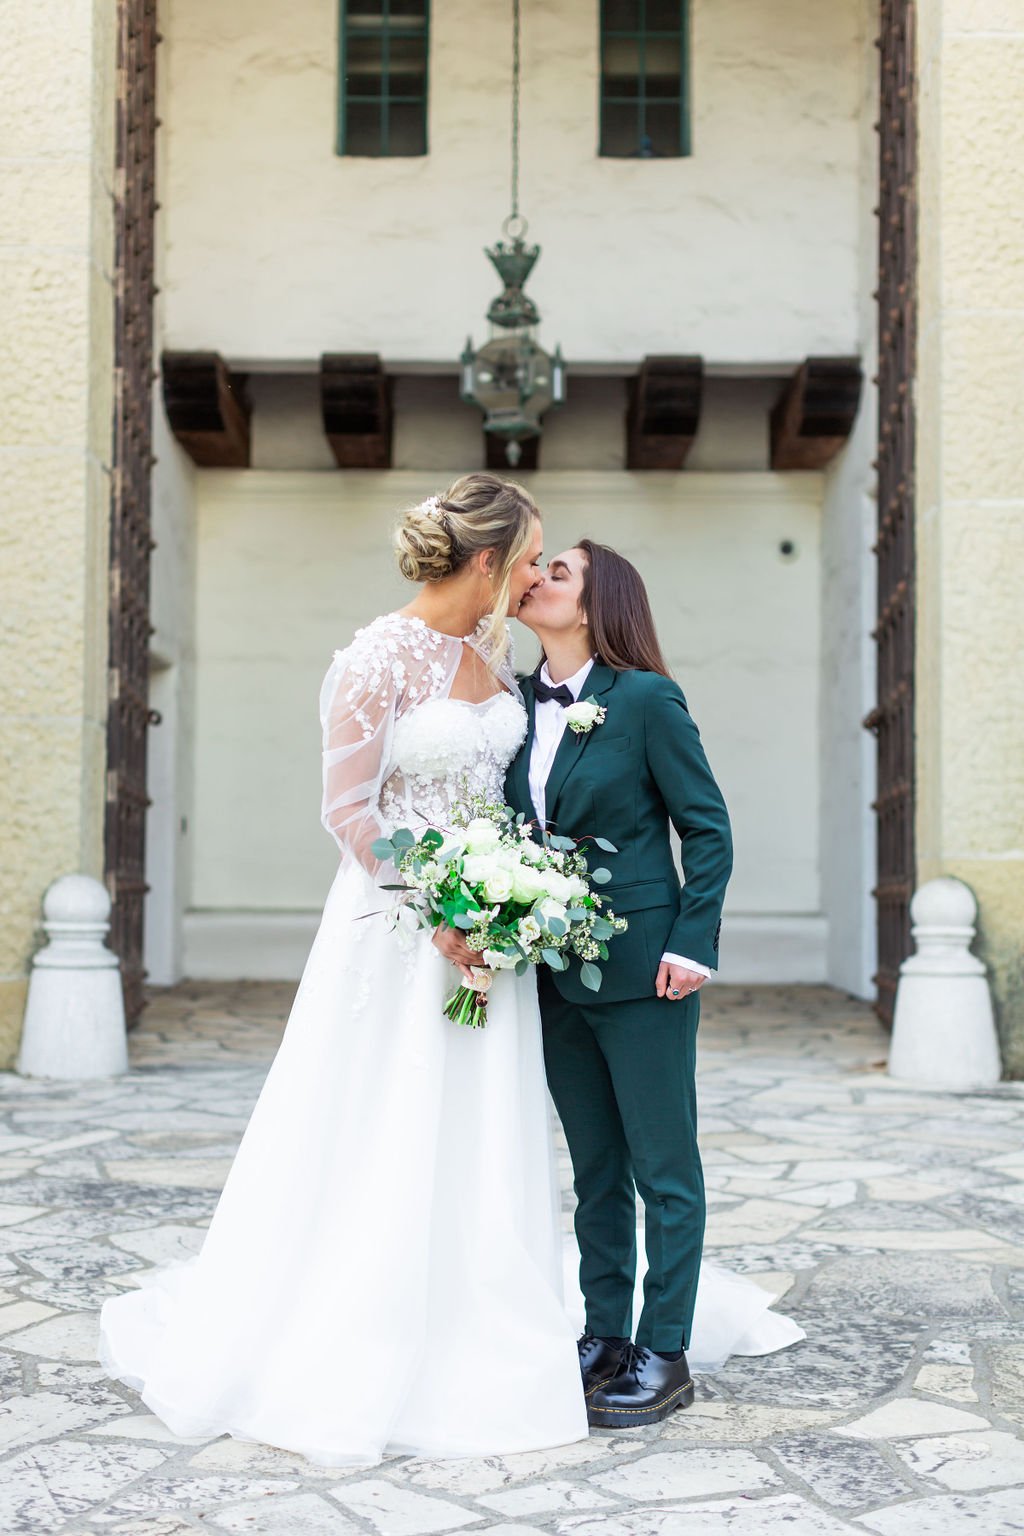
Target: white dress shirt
{"type": "Point", "coordinates": [548, 726]}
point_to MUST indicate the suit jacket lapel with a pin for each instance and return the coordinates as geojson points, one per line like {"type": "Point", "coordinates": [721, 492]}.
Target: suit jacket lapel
{"type": "Point", "coordinates": [521, 766]}
{"type": "Point", "coordinates": [573, 744]}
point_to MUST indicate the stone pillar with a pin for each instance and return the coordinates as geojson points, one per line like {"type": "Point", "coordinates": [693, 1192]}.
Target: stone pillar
{"type": "Point", "coordinates": [969, 719]}
{"type": "Point", "coordinates": [57, 71]}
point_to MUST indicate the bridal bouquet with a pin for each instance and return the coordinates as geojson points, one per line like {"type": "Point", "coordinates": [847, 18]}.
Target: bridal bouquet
{"type": "Point", "coordinates": [518, 902]}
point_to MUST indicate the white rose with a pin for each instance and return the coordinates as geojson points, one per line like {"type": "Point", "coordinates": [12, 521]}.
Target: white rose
{"type": "Point", "coordinates": [528, 883]}
{"type": "Point", "coordinates": [582, 714]}
{"type": "Point", "coordinates": [531, 851]}
{"type": "Point", "coordinates": [481, 835]}
{"type": "Point", "coordinates": [557, 885]}
{"type": "Point", "coordinates": [577, 885]}
{"type": "Point", "coordinates": [548, 909]}
{"type": "Point", "coordinates": [498, 885]}
{"type": "Point", "coordinates": [498, 961]}
{"type": "Point", "coordinates": [479, 866]}
{"type": "Point", "coordinates": [528, 929]}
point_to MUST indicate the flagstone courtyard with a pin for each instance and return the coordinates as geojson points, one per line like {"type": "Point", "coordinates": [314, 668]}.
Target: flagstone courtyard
{"type": "Point", "coordinates": [891, 1221]}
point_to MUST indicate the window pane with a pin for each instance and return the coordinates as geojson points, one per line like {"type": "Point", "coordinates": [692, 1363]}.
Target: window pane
{"type": "Point", "coordinates": [619, 130]}
{"type": "Point", "coordinates": [620, 66]}
{"type": "Point", "coordinates": [363, 13]}
{"type": "Point", "coordinates": [407, 133]}
{"type": "Point", "coordinates": [621, 15]}
{"type": "Point", "coordinates": [363, 66]}
{"type": "Point", "coordinates": [663, 129]}
{"type": "Point", "coordinates": [409, 9]}
{"type": "Point", "coordinates": [664, 66]}
{"type": "Point", "coordinates": [665, 15]}
{"type": "Point", "coordinates": [407, 68]}
{"type": "Point", "coordinates": [362, 128]}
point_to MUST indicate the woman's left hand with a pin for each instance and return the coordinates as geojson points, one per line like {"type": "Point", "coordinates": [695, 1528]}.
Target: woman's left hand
{"type": "Point", "coordinates": [675, 982]}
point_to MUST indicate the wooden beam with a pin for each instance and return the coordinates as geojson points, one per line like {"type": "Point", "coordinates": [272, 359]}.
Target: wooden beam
{"type": "Point", "coordinates": [814, 415]}
{"type": "Point", "coordinates": [355, 402]}
{"type": "Point", "coordinates": [207, 408]}
{"type": "Point", "coordinates": [663, 412]}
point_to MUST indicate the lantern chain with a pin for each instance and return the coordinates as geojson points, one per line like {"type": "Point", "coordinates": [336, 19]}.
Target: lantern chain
{"type": "Point", "coordinates": [515, 109]}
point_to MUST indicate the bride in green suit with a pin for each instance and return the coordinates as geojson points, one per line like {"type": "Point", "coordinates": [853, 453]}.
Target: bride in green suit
{"type": "Point", "coordinates": [621, 1062]}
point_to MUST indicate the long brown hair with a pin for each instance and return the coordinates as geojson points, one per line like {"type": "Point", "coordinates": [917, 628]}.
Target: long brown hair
{"type": "Point", "coordinates": [618, 612]}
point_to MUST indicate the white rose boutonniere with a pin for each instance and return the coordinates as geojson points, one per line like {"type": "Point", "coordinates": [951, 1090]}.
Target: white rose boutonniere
{"type": "Point", "coordinates": [582, 716]}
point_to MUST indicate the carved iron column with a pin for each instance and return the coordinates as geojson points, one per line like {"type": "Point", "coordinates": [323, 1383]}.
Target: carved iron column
{"type": "Point", "coordinates": [129, 627]}
{"type": "Point", "coordinates": [892, 719]}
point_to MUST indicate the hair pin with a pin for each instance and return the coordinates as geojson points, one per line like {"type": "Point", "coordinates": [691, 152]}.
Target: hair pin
{"type": "Point", "coordinates": [432, 508]}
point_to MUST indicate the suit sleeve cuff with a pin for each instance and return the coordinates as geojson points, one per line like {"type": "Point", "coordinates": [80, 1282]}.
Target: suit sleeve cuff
{"type": "Point", "coordinates": [688, 965]}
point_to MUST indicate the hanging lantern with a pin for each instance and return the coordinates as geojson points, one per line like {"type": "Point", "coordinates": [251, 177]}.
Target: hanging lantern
{"type": "Point", "coordinates": [511, 378]}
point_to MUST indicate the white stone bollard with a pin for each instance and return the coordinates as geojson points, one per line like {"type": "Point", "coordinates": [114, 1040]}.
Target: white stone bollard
{"type": "Point", "coordinates": [74, 1019]}
{"type": "Point", "coordinates": [944, 1034]}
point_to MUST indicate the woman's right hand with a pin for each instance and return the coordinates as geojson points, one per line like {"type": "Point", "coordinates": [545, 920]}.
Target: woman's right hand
{"type": "Point", "coordinates": [454, 948]}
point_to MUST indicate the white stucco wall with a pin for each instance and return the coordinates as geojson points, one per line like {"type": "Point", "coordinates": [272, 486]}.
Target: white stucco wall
{"type": "Point", "coordinates": [169, 746]}
{"type": "Point", "coordinates": [848, 588]}
{"type": "Point", "coordinates": [290, 564]}
{"type": "Point", "coordinates": [278, 248]}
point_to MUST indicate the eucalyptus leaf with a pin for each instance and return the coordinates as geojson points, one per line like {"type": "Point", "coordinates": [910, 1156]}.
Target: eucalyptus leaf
{"type": "Point", "coordinates": [590, 976]}
{"type": "Point", "coordinates": [601, 928]}
{"type": "Point", "coordinates": [553, 959]}
{"type": "Point", "coordinates": [557, 928]}
{"type": "Point", "coordinates": [463, 920]}
{"type": "Point", "coordinates": [601, 875]}
{"type": "Point", "coordinates": [522, 967]}
{"type": "Point", "coordinates": [381, 848]}
{"type": "Point", "coordinates": [605, 845]}
{"type": "Point", "coordinates": [576, 914]}
{"type": "Point", "coordinates": [403, 838]}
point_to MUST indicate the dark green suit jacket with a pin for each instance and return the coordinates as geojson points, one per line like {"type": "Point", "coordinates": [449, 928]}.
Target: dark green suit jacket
{"type": "Point", "coordinates": [626, 780]}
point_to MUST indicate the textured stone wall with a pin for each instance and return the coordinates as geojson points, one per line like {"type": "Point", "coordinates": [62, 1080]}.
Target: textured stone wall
{"type": "Point", "coordinates": [970, 476]}
{"type": "Point", "coordinates": [56, 133]}
{"type": "Point", "coordinates": [278, 248]}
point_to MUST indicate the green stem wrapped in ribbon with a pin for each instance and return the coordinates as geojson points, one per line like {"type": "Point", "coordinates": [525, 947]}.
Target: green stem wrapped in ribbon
{"type": "Point", "coordinates": [467, 1006]}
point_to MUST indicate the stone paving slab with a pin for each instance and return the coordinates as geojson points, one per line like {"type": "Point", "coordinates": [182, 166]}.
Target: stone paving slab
{"type": "Point", "coordinates": [891, 1219]}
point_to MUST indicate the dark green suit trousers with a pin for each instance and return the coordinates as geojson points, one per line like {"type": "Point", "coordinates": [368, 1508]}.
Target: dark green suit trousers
{"type": "Point", "coordinates": [621, 1062]}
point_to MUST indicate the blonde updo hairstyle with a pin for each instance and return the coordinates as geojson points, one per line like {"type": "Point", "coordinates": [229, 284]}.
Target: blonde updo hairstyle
{"type": "Point", "coordinates": [439, 537]}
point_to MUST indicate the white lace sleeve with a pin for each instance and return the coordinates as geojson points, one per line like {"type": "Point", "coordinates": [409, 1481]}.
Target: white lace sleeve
{"type": "Point", "coordinates": [391, 665]}
{"type": "Point", "coordinates": [358, 703]}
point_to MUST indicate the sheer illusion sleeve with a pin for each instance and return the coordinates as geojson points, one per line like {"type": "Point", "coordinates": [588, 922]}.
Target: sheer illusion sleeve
{"type": "Point", "coordinates": [358, 706]}
{"type": "Point", "coordinates": [391, 666]}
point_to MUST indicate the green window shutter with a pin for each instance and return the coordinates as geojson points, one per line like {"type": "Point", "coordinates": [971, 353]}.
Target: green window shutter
{"type": "Point", "coordinates": [383, 54]}
{"type": "Point", "coordinates": [645, 78]}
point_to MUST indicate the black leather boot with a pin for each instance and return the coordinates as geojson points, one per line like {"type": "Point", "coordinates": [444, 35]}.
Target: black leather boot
{"type": "Point", "coordinates": [644, 1390]}
{"type": "Point", "coordinates": [598, 1361]}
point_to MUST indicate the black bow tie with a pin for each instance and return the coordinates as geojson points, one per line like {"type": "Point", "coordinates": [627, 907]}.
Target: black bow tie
{"type": "Point", "coordinates": [543, 691]}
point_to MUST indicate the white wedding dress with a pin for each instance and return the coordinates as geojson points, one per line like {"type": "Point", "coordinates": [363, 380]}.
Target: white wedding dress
{"type": "Point", "coordinates": [384, 1269]}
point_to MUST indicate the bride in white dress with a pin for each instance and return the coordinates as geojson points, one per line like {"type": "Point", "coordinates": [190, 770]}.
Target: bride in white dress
{"type": "Point", "coordinates": [383, 1270]}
